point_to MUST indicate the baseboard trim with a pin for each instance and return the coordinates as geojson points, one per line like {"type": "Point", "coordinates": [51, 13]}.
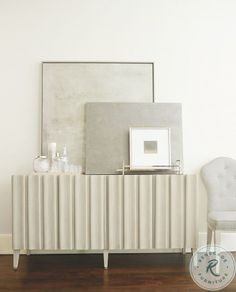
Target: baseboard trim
{"type": "Point", "coordinates": [227, 240]}
{"type": "Point", "coordinates": [5, 244]}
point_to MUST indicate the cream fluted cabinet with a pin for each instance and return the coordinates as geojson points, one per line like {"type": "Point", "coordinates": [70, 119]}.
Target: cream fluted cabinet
{"type": "Point", "coordinates": [103, 213]}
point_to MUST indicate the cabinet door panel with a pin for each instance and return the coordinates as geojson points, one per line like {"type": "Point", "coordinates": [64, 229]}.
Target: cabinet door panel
{"type": "Point", "coordinates": [131, 224]}
{"type": "Point", "coordinates": [50, 211]}
{"type": "Point", "coordinates": [97, 209]}
{"type": "Point", "coordinates": [35, 212]}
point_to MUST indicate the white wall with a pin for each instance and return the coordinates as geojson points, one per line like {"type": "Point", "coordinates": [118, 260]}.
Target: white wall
{"type": "Point", "coordinates": [192, 42]}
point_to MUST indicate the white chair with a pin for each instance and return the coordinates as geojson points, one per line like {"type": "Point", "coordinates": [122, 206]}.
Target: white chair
{"type": "Point", "coordinates": [219, 177]}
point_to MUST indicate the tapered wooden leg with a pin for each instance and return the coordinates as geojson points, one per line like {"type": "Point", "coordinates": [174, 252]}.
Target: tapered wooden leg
{"type": "Point", "coordinates": [16, 256]}
{"type": "Point", "coordinates": [105, 258]}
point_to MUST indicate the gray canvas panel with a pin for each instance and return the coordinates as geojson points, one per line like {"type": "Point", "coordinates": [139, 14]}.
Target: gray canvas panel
{"type": "Point", "coordinates": [107, 131]}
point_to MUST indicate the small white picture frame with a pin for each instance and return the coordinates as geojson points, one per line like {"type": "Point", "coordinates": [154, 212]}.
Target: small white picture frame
{"type": "Point", "coordinates": [150, 147]}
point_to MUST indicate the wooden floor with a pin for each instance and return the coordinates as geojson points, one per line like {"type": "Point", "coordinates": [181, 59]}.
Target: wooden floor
{"type": "Point", "coordinates": [143, 272]}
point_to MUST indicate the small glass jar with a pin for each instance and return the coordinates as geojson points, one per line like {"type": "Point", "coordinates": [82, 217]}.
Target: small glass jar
{"type": "Point", "coordinates": [41, 164]}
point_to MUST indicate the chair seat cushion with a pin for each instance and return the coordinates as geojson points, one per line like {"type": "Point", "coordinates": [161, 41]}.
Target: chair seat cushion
{"type": "Point", "coordinates": [224, 220]}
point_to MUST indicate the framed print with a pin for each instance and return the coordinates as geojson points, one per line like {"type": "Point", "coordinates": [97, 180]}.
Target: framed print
{"type": "Point", "coordinates": [149, 147]}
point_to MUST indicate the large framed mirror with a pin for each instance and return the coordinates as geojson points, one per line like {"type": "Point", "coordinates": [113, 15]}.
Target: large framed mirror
{"type": "Point", "coordinates": [68, 86]}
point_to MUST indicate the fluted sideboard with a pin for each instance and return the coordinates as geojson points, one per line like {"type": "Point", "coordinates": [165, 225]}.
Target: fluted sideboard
{"type": "Point", "coordinates": [103, 212]}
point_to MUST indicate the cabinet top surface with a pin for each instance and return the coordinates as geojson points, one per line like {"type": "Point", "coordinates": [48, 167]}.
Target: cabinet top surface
{"type": "Point", "coordinates": [97, 175]}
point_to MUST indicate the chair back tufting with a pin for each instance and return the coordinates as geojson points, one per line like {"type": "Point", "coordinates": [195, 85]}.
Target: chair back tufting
{"type": "Point", "coordinates": [219, 177]}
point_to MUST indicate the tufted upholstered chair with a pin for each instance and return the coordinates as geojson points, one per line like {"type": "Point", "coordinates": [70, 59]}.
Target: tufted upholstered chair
{"type": "Point", "coordinates": [219, 177]}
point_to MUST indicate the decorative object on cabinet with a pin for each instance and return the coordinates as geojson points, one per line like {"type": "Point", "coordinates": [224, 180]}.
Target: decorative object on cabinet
{"type": "Point", "coordinates": [149, 147]}
{"type": "Point", "coordinates": [219, 177]}
{"type": "Point", "coordinates": [55, 162]}
{"type": "Point", "coordinates": [167, 169]}
{"type": "Point", "coordinates": [107, 132]}
{"type": "Point", "coordinates": [52, 150]}
{"type": "Point", "coordinates": [67, 86]}
{"type": "Point", "coordinates": [41, 164]}
{"type": "Point", "coordinates": [103, 213]}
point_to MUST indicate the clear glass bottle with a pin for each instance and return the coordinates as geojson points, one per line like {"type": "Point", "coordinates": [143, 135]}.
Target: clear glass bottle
{"type": "Point", "coordinates": [56, 164]}
{"type": "Point", "coordinates": [41, 164]}
{"type": "Point", "coordinates": [64, 160]}
{"type": "Point", "coordinates": [52, 148]}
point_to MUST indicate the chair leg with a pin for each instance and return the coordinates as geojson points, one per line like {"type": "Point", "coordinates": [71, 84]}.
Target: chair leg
{"type": "Point", "coordinates": [195, 261]}
{"type": "Point", "coordinates": [217, 241]}
{"type": "Point", "coordinates": [217, 237]}
{"type": "Point", "coordinates": [209, 235]}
